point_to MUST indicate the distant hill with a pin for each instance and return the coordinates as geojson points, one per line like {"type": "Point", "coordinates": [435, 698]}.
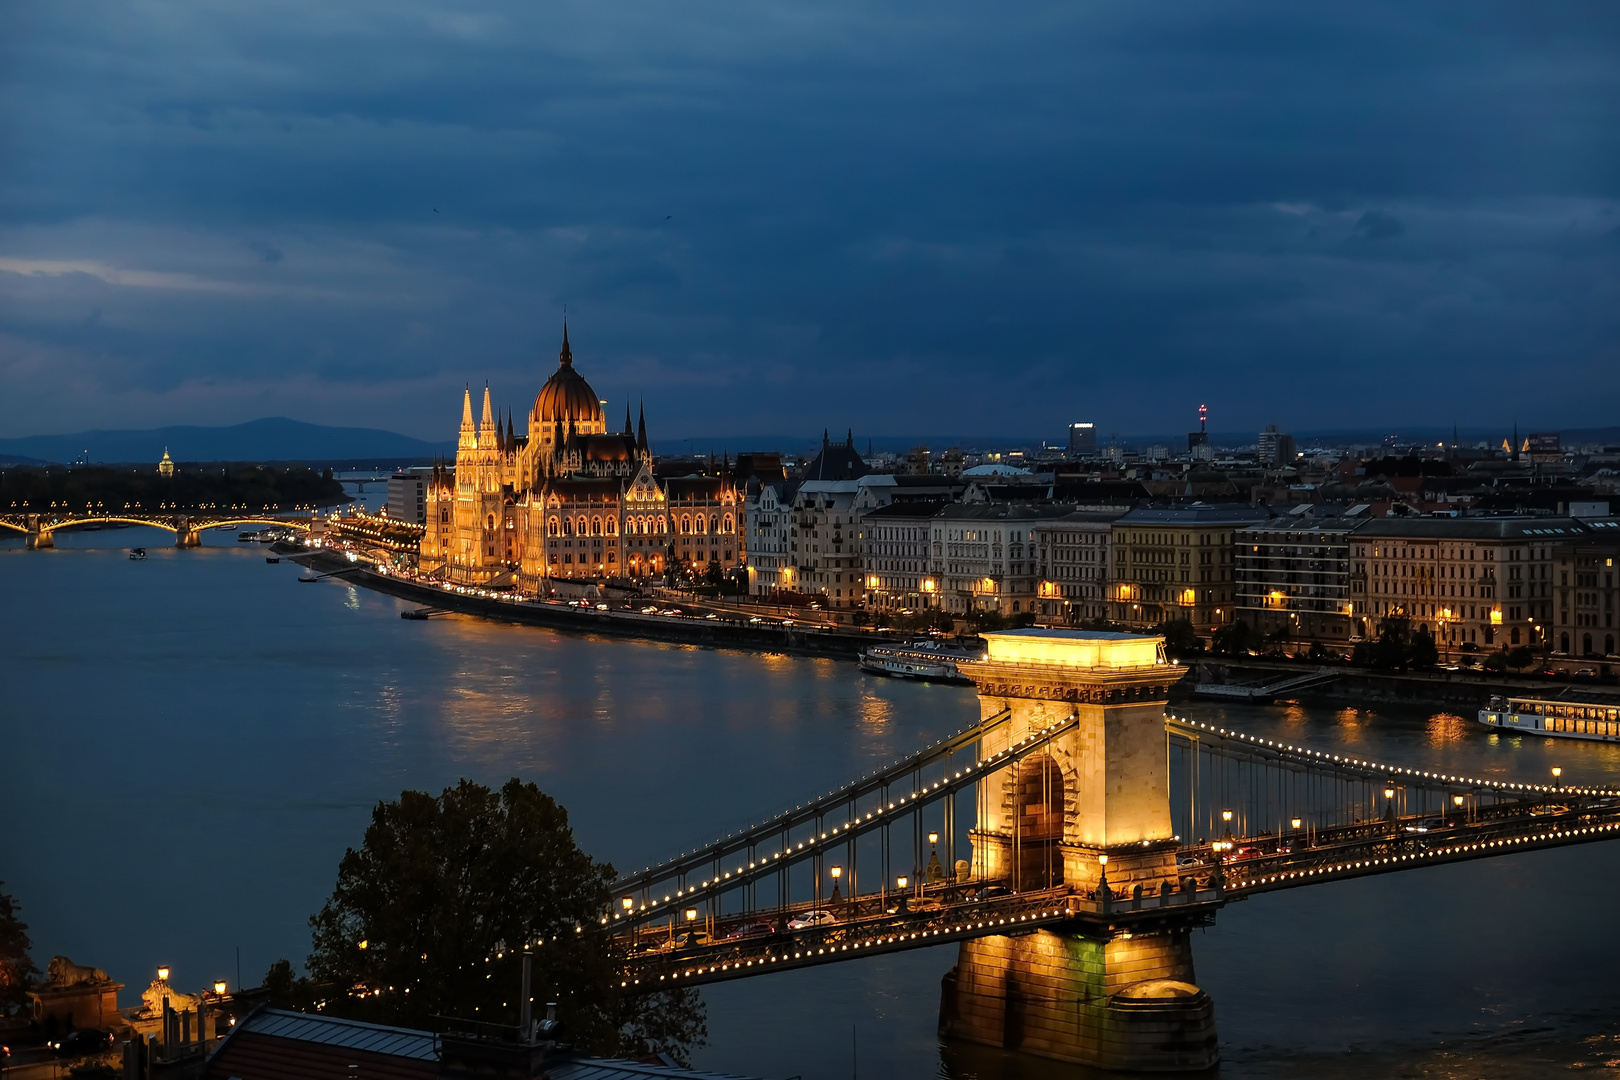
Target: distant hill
{"type": "Point", "coordinates": [274, 438]}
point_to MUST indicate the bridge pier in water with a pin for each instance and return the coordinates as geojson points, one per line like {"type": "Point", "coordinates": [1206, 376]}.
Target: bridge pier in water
{"type": "Point", "coordinates": [1092, 812]}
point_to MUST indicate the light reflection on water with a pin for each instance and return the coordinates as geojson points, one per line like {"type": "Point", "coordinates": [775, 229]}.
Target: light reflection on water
{"type": "Point", "coordinates": [225, 731]}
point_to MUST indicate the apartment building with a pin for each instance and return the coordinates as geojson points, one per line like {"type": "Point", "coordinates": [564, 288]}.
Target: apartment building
{"type": "Point", "coordinates": [1072, 555]}
{"type": "Point", "coordinates": [1177, 564]}
{"type": "Point", "coordinates": [1293, 574]}
{"type": "Point", "coordinates": [896, 560]}
{"type": "Point", "coordinates": [983, 557]}
{"type": "Point", "coordinates": [1475, 582]}
{"type": "Point", "coordinates": [1586, 592]}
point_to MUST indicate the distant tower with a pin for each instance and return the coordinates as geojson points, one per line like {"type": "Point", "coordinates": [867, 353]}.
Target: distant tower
{"type": "Point", "coordinates": [166, 466]}
{"type": "Point", "coordinates": [1198, 441]}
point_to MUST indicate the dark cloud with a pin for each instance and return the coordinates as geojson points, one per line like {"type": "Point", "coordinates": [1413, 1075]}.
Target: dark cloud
{"type": "Point", "coordinates": [1377, 225]}
{"type": "Point", "coordinates": [873, 214]}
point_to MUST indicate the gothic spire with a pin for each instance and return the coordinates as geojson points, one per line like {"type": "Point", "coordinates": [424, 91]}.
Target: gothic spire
{"type": "Point", "coordinates": [628, 430]}
{"type": "Point", "coordinates": [566, 357]}
{"type": "Point", "coordinates": [641, 429]}
{"type": "Point", "coordinates": [469, 433]}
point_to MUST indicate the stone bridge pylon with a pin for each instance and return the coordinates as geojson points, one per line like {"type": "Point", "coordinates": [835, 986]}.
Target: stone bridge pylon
{"type": "Point", "coordinates": [1091, 812]}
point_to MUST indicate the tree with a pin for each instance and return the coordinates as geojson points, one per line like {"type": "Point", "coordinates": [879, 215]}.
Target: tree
{"type": "Point", "coordinates": [1180, 639]}
{"type": "Point", "coordinates": [428, 916]}
{"type": "Point", "coordinates": [1421, 652]}
{"type": "Point", "coordinates": [1235, 639]}
{"type": "Point", "coordinates": [17, 970]}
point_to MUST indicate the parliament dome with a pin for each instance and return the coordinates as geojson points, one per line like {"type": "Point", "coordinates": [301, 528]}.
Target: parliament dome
{"type": "Point", "coordinates": [567, 396]}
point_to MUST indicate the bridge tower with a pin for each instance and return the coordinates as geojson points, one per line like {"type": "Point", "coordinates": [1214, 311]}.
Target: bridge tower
{"type": "Point", "coordinates": [186, 533]}
{"type": "Point", "coordinates": [1091, 813]}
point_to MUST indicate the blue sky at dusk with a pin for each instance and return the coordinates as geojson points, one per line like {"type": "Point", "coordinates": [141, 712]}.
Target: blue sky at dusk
{"type": "Point", "coordinates": [770, 218]}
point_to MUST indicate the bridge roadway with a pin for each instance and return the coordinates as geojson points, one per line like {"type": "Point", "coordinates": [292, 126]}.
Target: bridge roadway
{"type": "Point", "coordinates": [941, 913]}
{"type": "Point", "coordinates": [181, 523]}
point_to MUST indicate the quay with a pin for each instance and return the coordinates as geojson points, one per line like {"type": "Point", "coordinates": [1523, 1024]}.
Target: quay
{"type": "Point", "coordinates": [726, 632]}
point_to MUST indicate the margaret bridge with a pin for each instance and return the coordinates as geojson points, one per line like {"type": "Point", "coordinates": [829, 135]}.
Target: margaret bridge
{"type": "Point", "coordinates": [1095, 831]}
{"type": "Point", "coordinates": [187, 525]}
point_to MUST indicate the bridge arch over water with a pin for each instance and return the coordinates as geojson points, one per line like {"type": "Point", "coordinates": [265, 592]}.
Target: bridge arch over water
{"type": "Point", "coordinates": [188, 528]}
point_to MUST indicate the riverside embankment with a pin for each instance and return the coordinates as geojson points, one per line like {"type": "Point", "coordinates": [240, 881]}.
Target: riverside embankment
{"type": "Point", "coordinates": [1464, 691]}
{"type": "Point", "coordinates": [721, 632]}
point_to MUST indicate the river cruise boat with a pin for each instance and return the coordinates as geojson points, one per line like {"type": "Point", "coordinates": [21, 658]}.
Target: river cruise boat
{"type": "Point", "coordinates": [926, 661]}
{"type": "Point", "coordinates": [1556, 718]}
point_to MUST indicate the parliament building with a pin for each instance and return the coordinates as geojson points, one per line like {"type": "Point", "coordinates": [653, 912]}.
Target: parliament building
{"type": "Point", "coordinates": [569, 498]}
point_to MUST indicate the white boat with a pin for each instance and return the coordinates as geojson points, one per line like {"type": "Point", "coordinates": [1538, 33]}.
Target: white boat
{"type": "Point", "coordinates": [926, 661]}
{"type": "Point", "coordinates": [1555, 718]}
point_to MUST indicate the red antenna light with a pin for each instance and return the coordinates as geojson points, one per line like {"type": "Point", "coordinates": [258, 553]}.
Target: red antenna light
{"type": "Point", "coordinates": [1203, 418]}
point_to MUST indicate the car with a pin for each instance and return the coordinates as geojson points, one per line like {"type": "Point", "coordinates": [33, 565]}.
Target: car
{"type": "Point", "coordinates": [1187, 860]}
{"type": "Point", "coordinates": [1585, 673]}
{"type": "Point", "coordinates": [1548, 808]}
{"type": "Point", "coordinates": [991, 892]}
{"type": "Point", "coordinates": [751, 930]}
{"type": "Point", "coordinates": [601, 607]}
{"type": "Point", "coordinates": [711, 615]}
{"type": "Point", "coordinates": [650, 610]}
{"type": "Point", "coordinates": [812, 919]}
{"type": "Point", "coordinates": [81, 1043]}
{"type": "Point", "coordinates": [755, 621]}
{"type": "Point", "coordinates": [692, 939]}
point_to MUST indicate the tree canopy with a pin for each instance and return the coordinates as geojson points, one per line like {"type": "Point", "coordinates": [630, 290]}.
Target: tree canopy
{"type": "Point", "coordinates": [429, 914]}
{"type": "Point", "coordinates": [17, 970]}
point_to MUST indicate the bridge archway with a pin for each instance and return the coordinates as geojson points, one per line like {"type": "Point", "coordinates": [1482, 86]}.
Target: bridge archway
{"type": "Point", "coordinates": [1040, 808]}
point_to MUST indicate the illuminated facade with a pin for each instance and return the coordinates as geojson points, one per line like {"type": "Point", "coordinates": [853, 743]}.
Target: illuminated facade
{"type": "Point", "coordinates": [1176, 564]}
{"type": "Point", "coordinates": [1480, 583]}
{"type": "Point", "coordinates": [569, 498]}
{"type": "Point", "coordinates": [984, 556]}
{"type": "Point", "coordinates": [1073, 553]}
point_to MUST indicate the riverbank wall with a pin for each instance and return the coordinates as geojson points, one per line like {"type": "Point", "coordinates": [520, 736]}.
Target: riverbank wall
{"type": "Point", "coordinates": [1464, 692]}
{"type": "Point", "coordinates": [722, 633]}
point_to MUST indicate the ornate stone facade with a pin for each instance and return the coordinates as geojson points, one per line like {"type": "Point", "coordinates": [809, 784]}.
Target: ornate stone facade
{"type": "Point", "coordinates": [569, 498]}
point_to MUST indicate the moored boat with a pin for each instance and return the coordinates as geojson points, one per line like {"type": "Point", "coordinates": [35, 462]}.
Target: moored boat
{"type": "Point", "coordinates": [137, 554]}
{"type": "Point", "coordinates": [925, 661]}
{"type": "Point", "coordinates": [1555, 717]}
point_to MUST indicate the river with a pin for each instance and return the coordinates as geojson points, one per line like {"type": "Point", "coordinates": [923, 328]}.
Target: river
{"type": "Point", "coordinates": [189, 743]}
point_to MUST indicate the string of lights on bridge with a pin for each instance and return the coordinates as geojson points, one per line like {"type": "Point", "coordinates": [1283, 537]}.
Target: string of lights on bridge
{"type": "Point", "coordinates": [673, 866]}
{"type": "Point", "coordinates": [1393, 770]}
{"type": "Point", "coordinates": [763, 864]}
{"type": "Point", "coordinates": [1593, 831]}
{"type": "Point", "coordinates": [884, 938]}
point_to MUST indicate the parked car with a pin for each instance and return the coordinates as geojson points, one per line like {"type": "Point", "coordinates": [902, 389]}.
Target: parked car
{"type": "Point", "coordinates": [752, 930]}
{"type": "Point", "coordinates": [812, 919]}
{"type": "Point", "coordinates": [82, 1043]}
{"type": "Point", "coordinates": [650, 610]}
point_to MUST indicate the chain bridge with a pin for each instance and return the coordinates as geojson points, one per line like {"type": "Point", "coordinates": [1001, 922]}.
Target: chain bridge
{"type": "Point", "coordinates": [187, 526]}
{"type": "Point", "coordinates": [1094, 832]}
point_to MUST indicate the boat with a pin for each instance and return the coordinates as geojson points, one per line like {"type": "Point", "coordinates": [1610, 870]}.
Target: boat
{"type": "Point", "coordinates": [308, 576]}
{"type": "Point", "coordinates": [246, 537]}
{"type": "Point", "coordinates": [137, 554]}
{"type": "Point", "coordinates": [1558, 718]}
{"type": "Point", "coordinates": [272, 558]}
{"type": "Point", "coordinates": [925, 661]}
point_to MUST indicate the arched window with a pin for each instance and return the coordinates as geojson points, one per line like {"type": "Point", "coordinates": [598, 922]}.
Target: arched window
{"type": "Point", "coordinates": [613, 526]}
{"type": "Point", "coordinates": [728, 523]}
{"type": "Point", "coordinates": [686, 525]}
{"type": "Point", "coordinates": [596, 526]}
{"type": "Point", "coordinates": [491, 523]}
{"type": "Point", "coordinates": [568, 526]}
{"type": "Point", "coordinates": [663, 525]}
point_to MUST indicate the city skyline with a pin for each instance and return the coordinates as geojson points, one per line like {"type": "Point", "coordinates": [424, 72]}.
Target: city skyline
{"type": "Point", "coordinates": [869, 217]}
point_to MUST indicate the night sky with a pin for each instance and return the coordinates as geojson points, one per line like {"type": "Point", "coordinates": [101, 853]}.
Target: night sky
{"type": "Point", "coordinates": [769, 218]}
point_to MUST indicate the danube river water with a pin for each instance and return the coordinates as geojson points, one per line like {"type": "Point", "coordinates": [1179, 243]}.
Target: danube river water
{"type": "Point", "coordinates": [189, 743]}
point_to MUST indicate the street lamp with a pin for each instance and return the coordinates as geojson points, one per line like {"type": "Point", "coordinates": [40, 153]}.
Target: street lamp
{"type": "Point", "coordinates": [837, 872]}
{"type": "Point", "coordinates": [901, 883]}
{"type": "Point", "coordinates": [163, 973]}
{"type": "Point", "coordinates": [936, 872]}
{"type": "Point", "coordinates": [219, 987]}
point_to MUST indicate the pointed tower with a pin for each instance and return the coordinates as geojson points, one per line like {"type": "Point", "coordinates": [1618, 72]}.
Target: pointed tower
{"type": "Point", "coordinates": [628, 430]}
{"type": "Point", "coordinates": [641, 430]}
{"type": "Point", "coordinates": [469, 433]}
{"type": "Point", "coordinates": [511, 436]}
{"type": "Point", "coordinates": [486, 426]}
